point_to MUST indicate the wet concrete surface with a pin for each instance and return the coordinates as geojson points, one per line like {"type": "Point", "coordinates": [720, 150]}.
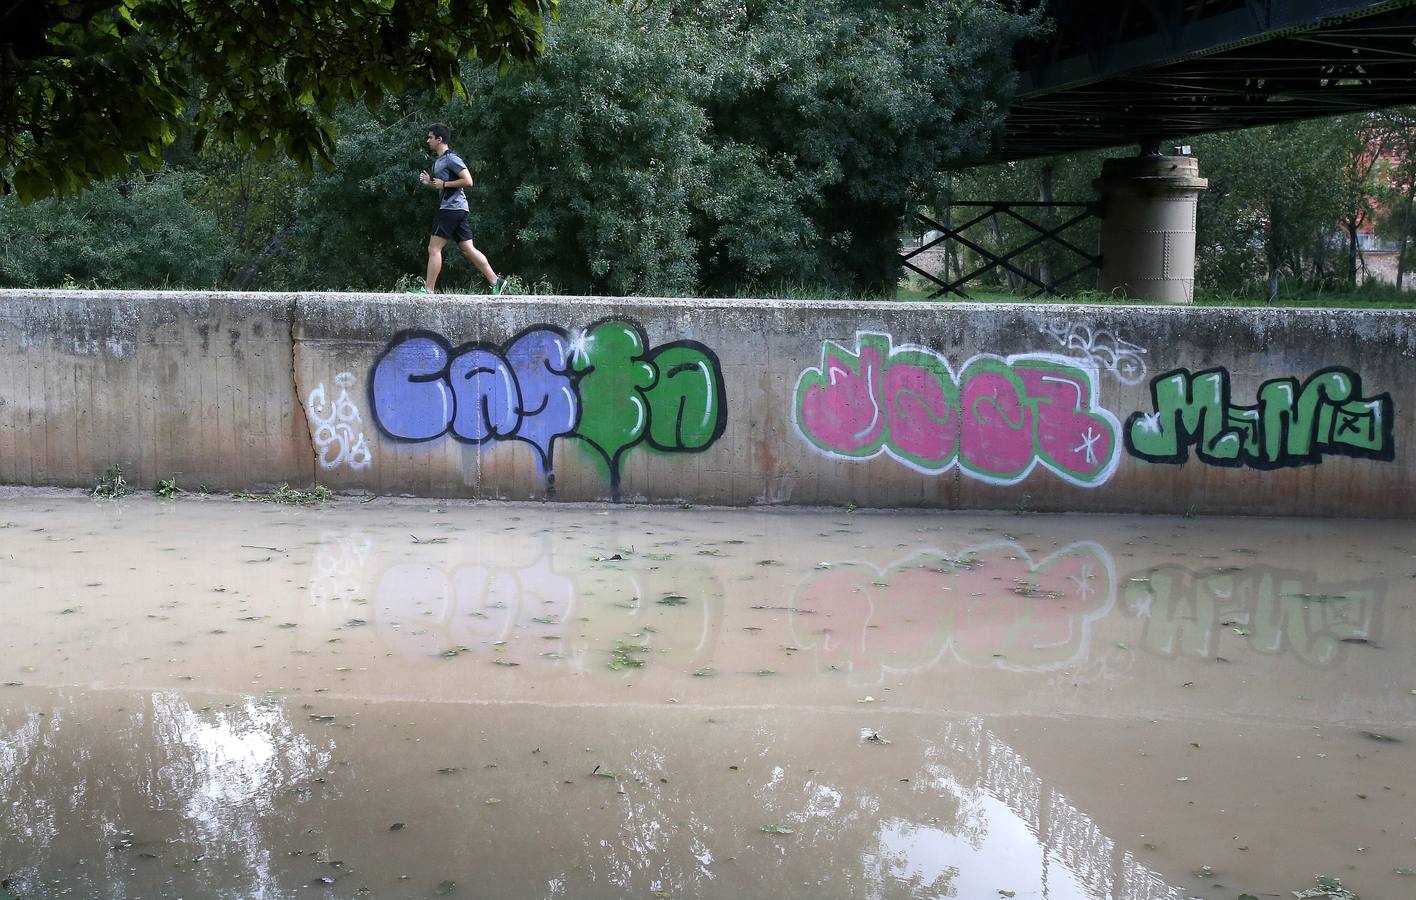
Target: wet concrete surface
{"type": "Point", "coordinates": [206, 698]}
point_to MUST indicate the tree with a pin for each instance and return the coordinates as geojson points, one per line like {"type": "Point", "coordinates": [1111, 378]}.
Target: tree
{"type": "Point", "coordinates": [1396, 192]}
{"type": "Point", "coordinates": [1275, 197]}
{"type": "Point", "coordinates": [87, 84]}
{"type": "Point", "coordinates": [725, 145]}
{"type": "Point", "coordinates": [124, 233]}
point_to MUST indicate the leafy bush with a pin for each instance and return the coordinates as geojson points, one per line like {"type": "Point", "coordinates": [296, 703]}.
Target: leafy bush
{"type": "Point", "coordinates": [125, 233]}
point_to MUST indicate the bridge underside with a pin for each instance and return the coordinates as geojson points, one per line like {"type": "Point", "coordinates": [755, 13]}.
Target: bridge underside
{"type": "Point", "coordinates": [1116, 72]}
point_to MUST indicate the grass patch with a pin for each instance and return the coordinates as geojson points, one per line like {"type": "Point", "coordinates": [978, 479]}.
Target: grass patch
{"type": "Point", "coordinates": [289, 495]}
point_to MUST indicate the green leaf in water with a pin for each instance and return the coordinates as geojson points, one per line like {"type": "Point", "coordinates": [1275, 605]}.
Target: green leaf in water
{"type": "Point", "coordinates": [1378, 736]}
{"type": "Point", "coordinates": [446, 887]}
{"type": "Point", "coordinates": [775, 829]}
{"type": "Point", "coordinates": [672, 600]}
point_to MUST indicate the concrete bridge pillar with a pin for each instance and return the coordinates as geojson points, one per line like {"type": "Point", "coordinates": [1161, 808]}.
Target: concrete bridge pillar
{"type": "Point", "coordinates": [1148, 233]}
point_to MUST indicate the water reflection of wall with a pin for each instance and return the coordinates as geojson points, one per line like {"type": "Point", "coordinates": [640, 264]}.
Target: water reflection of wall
{"type": "Point", "coordinates": [1275, 610]}
{"type": "Point", "coordinates": [165, 793]}
{"type": "Point", "coordinates": [529, 587]}
{"type": "Point", "coordinates": [988, 605]}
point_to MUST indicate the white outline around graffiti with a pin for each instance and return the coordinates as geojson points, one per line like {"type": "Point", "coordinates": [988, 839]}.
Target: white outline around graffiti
{"type": "Point", "coordinates": [1092, 407]}
{"type": "Point", "coordinates": [336, 441]}
{"type": "Point", "coordinates": [1104, 349]}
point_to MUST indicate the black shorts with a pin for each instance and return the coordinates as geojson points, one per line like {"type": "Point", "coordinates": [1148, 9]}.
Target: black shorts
{"type": "Point", "coordinates": [452, 224]}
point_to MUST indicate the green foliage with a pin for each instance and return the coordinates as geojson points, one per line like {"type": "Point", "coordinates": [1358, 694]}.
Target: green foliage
{"type": "Point", "coordinates": [702, 146]}
{"type": "Point", "coordinates": [362, 225]}
{"type": "Point", "coordinates": [1273, 205]}
{"type": "Point", "coordinates": [112, 484]}
{"type": "Point", "coordinates": [84, 87]}
{"type": "Point", "coordinates": [126, 233]}
{"type": "Point", "coordinates": [670, 148]}
{"type": "Point", "coordinates": [167, 488]}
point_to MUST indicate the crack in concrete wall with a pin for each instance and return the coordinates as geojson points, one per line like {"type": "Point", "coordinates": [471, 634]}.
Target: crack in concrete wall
{"type": "Point", "coordinates": [293, 311]}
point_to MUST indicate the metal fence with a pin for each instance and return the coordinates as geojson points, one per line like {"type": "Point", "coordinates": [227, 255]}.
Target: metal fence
{"type": "Point", "coordinates": [1007, 259]}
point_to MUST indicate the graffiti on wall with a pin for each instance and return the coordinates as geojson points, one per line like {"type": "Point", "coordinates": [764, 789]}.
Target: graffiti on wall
{"type": "Point", "coordinates": [1274, 610]}
{"type": "Point", "coordinates": [997, 419]}
{"type": "Point", "coordinates": [1292, 424]}
{"type": "Point", "coordinates": [604, 386]}
{"type": "Point", "coordinates": [1103, 348]}
{"type": "Point", "coordinates": [333, 426]}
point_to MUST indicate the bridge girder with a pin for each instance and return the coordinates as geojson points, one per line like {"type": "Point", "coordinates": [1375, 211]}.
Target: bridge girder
{"type": "Point", "coordinates": [1119, 72]}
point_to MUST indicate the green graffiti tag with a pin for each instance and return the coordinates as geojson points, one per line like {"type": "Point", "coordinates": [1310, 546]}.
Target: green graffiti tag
{"type": "Point", "coordinates": [1291, 425]}
{"type": "Point", "coordinates": [671, 397]}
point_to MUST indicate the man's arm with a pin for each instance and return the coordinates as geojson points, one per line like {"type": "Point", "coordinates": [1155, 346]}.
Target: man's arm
{"type": "Point", "coordinates": [463, 180]}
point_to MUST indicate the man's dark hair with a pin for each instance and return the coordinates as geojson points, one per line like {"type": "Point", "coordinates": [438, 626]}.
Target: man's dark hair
{"type": "Point", "coordinates": [441, 131]}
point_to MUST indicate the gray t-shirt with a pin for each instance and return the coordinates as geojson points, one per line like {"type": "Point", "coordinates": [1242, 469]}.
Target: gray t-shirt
{"type": "Point", "coordinates": [446, 168]}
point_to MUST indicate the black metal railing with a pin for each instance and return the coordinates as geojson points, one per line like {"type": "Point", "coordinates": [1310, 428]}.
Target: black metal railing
{"type": "Point", "coordinates": [1004, 259]}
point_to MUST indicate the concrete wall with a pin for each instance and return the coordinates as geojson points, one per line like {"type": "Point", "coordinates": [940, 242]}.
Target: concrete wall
{"type": "Point", "coordinates": [1091, 408]}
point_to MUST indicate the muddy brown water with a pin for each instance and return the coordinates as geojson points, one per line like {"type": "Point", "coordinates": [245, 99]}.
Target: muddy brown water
{"type": "Point", "coordinates": [206, 698]}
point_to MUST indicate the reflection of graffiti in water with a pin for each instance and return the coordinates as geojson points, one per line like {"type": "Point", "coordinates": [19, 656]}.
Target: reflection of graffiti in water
{"type": "Point", "coordinates": [515, 604]}
{"type": "Point", "coordinates": [338, 566]}
{"type": "Point", "coordinates": [1273, 609]}
{"type": "Point", "coordinates": [989, 605]}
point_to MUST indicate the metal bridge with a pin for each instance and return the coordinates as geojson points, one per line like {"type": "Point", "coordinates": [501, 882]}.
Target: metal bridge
{"type": "Point", "coordinates": [1116, 72]}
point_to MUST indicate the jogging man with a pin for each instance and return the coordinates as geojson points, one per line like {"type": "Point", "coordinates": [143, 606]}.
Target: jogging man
{"type": "Point", "coordinates": [449, 177]}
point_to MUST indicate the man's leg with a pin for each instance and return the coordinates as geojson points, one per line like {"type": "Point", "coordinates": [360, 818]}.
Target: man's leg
{"type": "Point", "coordinates": [435, 251]}
{"type": "Point", "coordinates": [478, 259]}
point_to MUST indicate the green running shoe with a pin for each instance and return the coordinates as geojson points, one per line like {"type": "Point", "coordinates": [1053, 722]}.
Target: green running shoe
{"type": "Point", "coordinates": [500, 285]}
